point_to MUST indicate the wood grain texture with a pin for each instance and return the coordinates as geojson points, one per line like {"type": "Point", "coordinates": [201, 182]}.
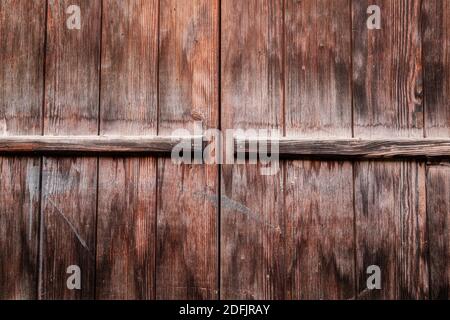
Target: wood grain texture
{"type": "Point", "coordinates": [436, 53]}
{"type": "Point", "coordinates": [391, 229]}
{"type": "Point", "coordinates": [126, 228]}
{"type": "Point", "coordinates": [22, 29]}
{"type": "Point", "coordinates": [348, 148]}
{"type": "Point", "coordinates": [186, 257]}
{"type": "Point", "coordinates": [103, 145]}
{"type": "Point", "coordinates": [438, 212]}
{"type": "Point", "coordinates": [284, 147]}
{"type": "Point", "coordinates": [387, 70]}
{"type": "Point", "coordinates": [19, 222]}
{"type": "Point", "coordinates": [71, 71]}
{"type": "Point", "coordinates": [252, 260]}
{"type": "Point", "coordinates": [67, 226]}
{"type": "Point", "coordinates": [69, 185]}
{"type": "Point", "coordinates": [319, 230]}
{"type": "Point", "coordinates": [319, 233]}
{"type": "Point", "coordinates": [318, 68]}
{"type": "Point", "coordinates": [21, 94]}
{"type": "Point", "coordinates": [390, 196]}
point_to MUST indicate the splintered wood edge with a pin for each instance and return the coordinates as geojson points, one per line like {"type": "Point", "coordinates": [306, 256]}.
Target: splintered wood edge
{"type": "Point", "coordinates": [283, 147]}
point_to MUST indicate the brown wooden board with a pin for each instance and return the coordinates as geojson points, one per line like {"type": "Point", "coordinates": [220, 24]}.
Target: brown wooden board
{"type": "Point", "coordinates": [252, 97]}
{"type": "Point", "coordinates": [391, 229]}
{"type": "Point", "coordinates": [22, 33]}
{"type": "Point", "coordinates": [438, 212]}
{"type": "Point", "coordinates": [319, 201]}
{"type": "Point", "coordinates": [436, 59]}
{"type": "Point", "coordinates": [319, 230]}
{"type": "Point", "coordinates": [69, 184]}
{"type": "Point", "coordinates": [436, 41]}
{"type": "Point", "coordinates": [252, 228]}
{"type": "Point", "coordinates": [127, 186]}
{"type": "Point", "coordinates": [389, 196]}
{"type": "Point", "coordinates": [186, 255]}
{"type": "Point", "coordinates": [387, 70]}
{"type": "Point", "coordinates": [318, 68]}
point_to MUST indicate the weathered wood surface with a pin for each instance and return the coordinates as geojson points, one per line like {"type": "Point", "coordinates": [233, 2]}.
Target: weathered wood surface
{"type": "Point", "coordinates": [389, 197]}
{"type": "Point", "coordinates": [126, 228]}
{"type": "Point", "coordinates": [137, 70]}
{"type": "Point", "coordinates": [387, 70]}
{"type": "Point", "coordinates": [96, 144]}
{"type": "Point", "coordinates": [350, 148]}
{"type": "Point", "coordinates": [319, 232]}
{"type": "Point", "coordinates": [22, 30]}
{"type": "Point", "coordinates": [186, 252]}
{"type": "Point", "coordinates": [318, 68]}
{"type": "Point", "coordinates": [438, 211]}
{"type": "Point", "coordinates": [252, 228]}
{"type": "Point", "coordinates": [436, 59]}
{"type": "Point", "coordinates": [391, 229]}
{"type": "Point", "coordinates": [290, 147]}
{"type": "Point", "coordinates": [69, 198]}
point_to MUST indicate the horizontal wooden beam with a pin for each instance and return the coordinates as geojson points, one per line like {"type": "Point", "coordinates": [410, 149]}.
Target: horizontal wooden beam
{"type": "Point", "coordinates": [352, 148]}
{"type": "Point", "coordinates": [94, 144]}
{"type": "Point", "coordinates": [287, 147]}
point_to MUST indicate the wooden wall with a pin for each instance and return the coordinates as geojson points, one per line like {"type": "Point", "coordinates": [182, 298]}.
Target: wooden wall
{"type": "Point", "coordinates": [146, 228]}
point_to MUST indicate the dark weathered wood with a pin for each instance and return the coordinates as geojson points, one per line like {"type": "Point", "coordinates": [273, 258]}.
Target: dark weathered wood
{"type": "Point", "coordinates": [252, 261]}
{"type": "Point", "coordinates": [69, 184]}
{"type": "Point", "coordinates": [391, 229]}
{"type": "Point", "coordinates": [67, 226]}
{"type": "Point", "coordinates": [22, 32]}
{"type": "Point", "coordinates": [289, 147]}
{"type": "Point", "coordinates": [318, 68]}
{"type": "Point", "coordinates": [186, 257]}
{"type": "Point", "coordinates": [22, 29]}
{"type": "Point", "coordinates": [438, 212]}
{"type": "Point", "coordinates": [127, 186]}
{"type": "Point", "coordinates": [387, 70]}
{"type": "Point", "coordinates": [436, 53]}
{"type": "Point", "coordinates": [390, 196]}
{"type": "Point", "coordinates": [71, 71]}
{"type": "Point", "coordinates": [19, 221]}
{"type": "Point", "coordinates": [350, 148]}
{"type": "Point", "coordinates": [126, 229]}
{"type": "Point", "coordinates": [319, 231]}
{"type": "Point", "coordinates": [96, 144]}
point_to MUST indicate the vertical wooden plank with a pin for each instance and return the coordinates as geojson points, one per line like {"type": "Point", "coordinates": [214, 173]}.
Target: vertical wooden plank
{"type": "Point", "coordinates": [438, 212]}
{"type": "Point", "coordinates": [127, 186]}
{"type": "Point", "coordinates": [319, 195]}
{"type": "Point", "coordinates": [252, 227]}
{"type": "Point", "coordinates": [19, 222]}
{"type": "Point", "coordinates": [387, 70]}
{"type": "Point", "coordinates": [186, 258]}
{"type": "Point", "coordinates": [320, 238]}
{"type": "Point", "coordinates": [69, 184]}
{"type": "Point", "coordinates": [436, 53]}
{"type": "Point", "coordinates": [391, 228]}
{"type": "Point", "coordinates": [318, 68]}
{"type": "Point", "coordinates": [389, 196]}
{"type": "Point", "coordinates": [22, 30]}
